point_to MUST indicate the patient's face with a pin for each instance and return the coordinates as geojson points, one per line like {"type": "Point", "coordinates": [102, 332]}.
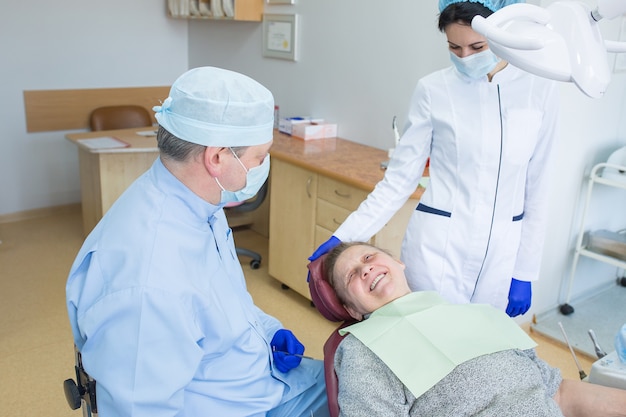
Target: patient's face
{"type": "Point", "coordinates": [368, 278]}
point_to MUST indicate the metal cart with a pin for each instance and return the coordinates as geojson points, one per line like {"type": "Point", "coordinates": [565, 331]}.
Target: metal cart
{"type": "Point", "coordinates": [612, 175]}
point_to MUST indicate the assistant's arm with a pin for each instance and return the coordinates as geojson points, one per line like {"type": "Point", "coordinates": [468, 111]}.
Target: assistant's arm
{"type": "Point", "coordinates": [582, 399]}
{"type": "Point", "coordinates": [401, 178]}
{"type": "Point", "coordinates": [536, 190]}
{"type": "Point", "coordinates": [367, 387]}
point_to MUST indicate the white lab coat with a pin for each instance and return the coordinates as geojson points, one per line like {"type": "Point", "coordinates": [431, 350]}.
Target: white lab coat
{"type": "Point", "coordinates": [481, 220]}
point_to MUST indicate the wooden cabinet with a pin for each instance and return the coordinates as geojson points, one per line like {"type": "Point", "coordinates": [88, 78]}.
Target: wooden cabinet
{"type": "Point", "coordinates": [306, 208]}
{"type": "Point", "coordinates": [292, 223]}
{"type": "Point", "coordinates": [315, 185]}
{"type": "Point", "coordinates": [243, 10]}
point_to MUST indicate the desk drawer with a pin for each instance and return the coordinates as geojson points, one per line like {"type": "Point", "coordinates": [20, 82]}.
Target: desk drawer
{"type": "Point", "coordinates": [330, 216]}
{"type": "Point", "coordinates": [339, 193]}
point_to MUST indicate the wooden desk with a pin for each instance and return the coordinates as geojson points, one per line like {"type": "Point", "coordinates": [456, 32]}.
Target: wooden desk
{"type": "Point", "coordinates": [106, 173]}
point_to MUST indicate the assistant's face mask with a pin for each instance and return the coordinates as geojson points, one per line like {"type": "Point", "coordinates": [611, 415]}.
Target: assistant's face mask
{"type": "Point", "coordinates": [255, 177]}
{"type": "Point", "coordinates": [475, 66]}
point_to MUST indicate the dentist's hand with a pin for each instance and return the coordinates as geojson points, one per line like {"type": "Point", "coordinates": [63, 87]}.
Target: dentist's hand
{"type": "Point", "coordinates": [520, 295]}
{"type": "Point", "coordinates": [285, 346]}
{"type": "Point", "coordinates": [325, 248]}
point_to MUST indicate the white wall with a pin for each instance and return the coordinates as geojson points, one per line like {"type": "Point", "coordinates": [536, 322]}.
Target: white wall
{"type": "Point", "coordinates": [358, 65]}
{"type": "Point", "coordinates": [72, 44]}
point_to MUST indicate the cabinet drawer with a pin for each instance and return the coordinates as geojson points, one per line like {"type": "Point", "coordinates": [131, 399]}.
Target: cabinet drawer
{"type": "Point", "coordinates": [330, 216]}
{"type": "Point", "coordinates": [321, 235]}
{"type": "Point", "coordinates": [340, 194]}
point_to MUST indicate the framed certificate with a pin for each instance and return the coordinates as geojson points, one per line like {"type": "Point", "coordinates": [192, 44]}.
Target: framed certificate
{"type": "Point", "coordinates": [279, 36]}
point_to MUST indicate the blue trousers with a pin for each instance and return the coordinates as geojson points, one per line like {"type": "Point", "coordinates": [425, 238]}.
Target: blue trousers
{"type": "Point", "coordinates": [312, 402]}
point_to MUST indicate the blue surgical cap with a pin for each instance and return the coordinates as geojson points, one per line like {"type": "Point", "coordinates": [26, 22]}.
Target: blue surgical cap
{"type": "Point", "coordinates": [216, 107]}
{"type": "Point", "coordinates": [493, 5]}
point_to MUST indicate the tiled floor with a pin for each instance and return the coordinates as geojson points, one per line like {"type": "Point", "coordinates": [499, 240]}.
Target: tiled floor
{"type": "Point", "coordinates": [36, 351]}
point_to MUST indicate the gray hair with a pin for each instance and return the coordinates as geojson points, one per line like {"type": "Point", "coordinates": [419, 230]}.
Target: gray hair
{"type": "Point", "coordinates": [172, 147]}
{"type": "Point", "coordinates": [176, 149]}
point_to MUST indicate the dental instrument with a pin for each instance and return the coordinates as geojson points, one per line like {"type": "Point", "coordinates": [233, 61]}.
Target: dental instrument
{"type": "Point", "coordinates": [581, 373]}
{"type": "Point", "coordinates": [396, 134]}
{"type": "Point", "coordinates": [293, 354]}
{"type": "Point", "coordinates": [599, 351]}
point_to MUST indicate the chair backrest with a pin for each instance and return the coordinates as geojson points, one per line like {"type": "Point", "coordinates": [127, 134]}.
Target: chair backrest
{"type": "Point", "coordinates": [326, 301]}
{"type": "Point", "coordinates": [119, 117]}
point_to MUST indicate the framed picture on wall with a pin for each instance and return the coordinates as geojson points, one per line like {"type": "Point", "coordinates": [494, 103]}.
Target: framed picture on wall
{"type": "Point", "coordinates": [281, 1]}
{"type": "Point", "coordinates": [279, 36]}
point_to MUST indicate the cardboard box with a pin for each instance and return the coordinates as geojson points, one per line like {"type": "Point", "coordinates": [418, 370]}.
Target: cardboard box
{"type": "Point", "coordinates": [606, 242]}
{"type": "Point", "coordinates": [308, 131]}
{"type": "Point", "coordinates": [286, 124]}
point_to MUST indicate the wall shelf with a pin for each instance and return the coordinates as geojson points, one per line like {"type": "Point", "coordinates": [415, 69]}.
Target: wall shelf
{"type": "Point", "coordinates": [243, 10]}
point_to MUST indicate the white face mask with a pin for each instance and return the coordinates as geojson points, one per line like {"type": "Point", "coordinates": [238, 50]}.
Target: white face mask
{"type": "Point", "coordinates": [255, 177]}
{"type": "Point", "coordinates": [475, 66]}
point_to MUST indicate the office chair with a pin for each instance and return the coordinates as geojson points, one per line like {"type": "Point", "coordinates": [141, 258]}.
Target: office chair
{"type": "Point", "coordinates": [119, 117]}
{"type": "Point", "coordinates": [245, 207]}
{"type": "Point", "coordinates": [82, 392]}
{"type": "Point", "coordinates": [327, 303]}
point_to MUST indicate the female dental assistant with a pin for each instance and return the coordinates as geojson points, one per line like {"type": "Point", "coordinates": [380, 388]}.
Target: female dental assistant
{"type": "Point", "coordinates": [477, 234]}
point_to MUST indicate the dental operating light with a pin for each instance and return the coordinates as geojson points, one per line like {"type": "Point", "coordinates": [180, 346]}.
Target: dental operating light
{"type": "Point", "coordinates": [561, 41]}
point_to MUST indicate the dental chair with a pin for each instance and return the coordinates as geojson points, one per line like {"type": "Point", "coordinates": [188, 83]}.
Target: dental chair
{"type": "Point", "coordinates": [82, 392]}
{"type": "Point", "coordinates": [326, 301]}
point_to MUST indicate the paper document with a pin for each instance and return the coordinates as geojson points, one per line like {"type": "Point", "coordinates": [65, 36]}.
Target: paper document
{"type": "Point", "coordinates": [147, 133]}
{"type": "Point", "coordinates": [105, 142]}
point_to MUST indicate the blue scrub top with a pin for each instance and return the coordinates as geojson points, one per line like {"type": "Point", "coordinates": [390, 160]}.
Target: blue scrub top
{"type": "Point", "coordinates": [160, 311]}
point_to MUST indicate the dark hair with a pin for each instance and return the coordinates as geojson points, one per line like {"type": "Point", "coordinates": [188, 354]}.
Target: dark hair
{"type": "Point", "coordinates": [462, 13]}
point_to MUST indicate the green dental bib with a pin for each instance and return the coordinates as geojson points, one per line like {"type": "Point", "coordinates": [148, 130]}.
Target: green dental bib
{"type": "Point", "coordinates": [422, 338]}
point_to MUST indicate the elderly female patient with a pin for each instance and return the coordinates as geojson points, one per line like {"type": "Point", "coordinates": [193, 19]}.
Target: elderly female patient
{"type": "Point", "coordinates": [417, 355]}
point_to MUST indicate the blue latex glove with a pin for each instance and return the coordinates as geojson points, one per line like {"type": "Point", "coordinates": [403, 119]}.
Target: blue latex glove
{"type": "Point", "coordinates": [325, 248]}
{"type": "Point", "coordinates": [520, 295]}
{"type": "Point", "coordinates": [285, 346]}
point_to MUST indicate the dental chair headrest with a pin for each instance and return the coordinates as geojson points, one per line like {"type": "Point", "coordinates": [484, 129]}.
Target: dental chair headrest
{"type": "Point", "coordinates": [323, 295]}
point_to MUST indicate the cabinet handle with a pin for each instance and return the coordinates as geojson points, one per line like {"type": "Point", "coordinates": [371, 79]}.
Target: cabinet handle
{"type": "Point", "coordinates": [308, 186]}
{"type": "Point", "coordinates": [340, 194]}
{"type": "Point", "coordinates": [336, 222]}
